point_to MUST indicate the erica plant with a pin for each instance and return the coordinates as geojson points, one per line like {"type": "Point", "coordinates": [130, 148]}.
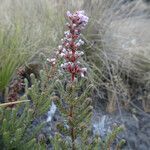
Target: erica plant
{"type": "Point", "coordinates": [74, 103]}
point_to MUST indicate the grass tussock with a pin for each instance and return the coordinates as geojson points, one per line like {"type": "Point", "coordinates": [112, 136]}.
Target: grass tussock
{"type": "Point", "coordinates": [120, 36]}
{"type": "Point", "coordinates": [26, 27]}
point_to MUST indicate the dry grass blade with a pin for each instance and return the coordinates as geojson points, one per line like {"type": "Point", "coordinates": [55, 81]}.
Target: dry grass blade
{"type": "Point", "coordinates": [11, 103]}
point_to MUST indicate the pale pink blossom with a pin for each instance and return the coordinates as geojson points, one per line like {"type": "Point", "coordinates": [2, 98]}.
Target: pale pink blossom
{"type": "Point", "coordinates": [69, 14]}
{"type": "Point", "coordinates": [52, 61]}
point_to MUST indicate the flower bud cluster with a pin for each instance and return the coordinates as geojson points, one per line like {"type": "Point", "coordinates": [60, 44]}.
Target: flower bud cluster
{"type": "Point", "coordinates": [71, 43]}
{"type": "Point", "coordinates": [16, 86]}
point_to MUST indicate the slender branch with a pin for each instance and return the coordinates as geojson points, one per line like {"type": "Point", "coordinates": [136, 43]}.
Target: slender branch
{"type": "Point", "coordinates": [72, 131]}
{"type": "Point", "coordinates": [10, 103]}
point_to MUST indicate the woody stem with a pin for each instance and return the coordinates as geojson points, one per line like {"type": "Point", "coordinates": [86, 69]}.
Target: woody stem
{"type": "Point", "coordinates": [72, 130]}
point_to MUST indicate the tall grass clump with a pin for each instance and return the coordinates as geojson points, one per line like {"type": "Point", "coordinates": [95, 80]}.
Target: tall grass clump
{"type": "Point", "coordinates": [26, 27]}
{"type": "Point", "coordinates": [120, 36]}
{"type": "Point", "coordinates": [118, 47]}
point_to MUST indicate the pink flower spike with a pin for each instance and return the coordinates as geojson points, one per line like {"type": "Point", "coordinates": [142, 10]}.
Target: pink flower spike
{"type": "Point", "coordinates": [71, 42]}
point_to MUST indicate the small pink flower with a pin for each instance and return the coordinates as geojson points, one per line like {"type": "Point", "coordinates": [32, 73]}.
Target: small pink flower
{"type": "Point", "coordinates": [84, 69]}
{"type": "Point", "coordinates": [69, 14]}
{"type": "Point", "coordinates": [60, 47]}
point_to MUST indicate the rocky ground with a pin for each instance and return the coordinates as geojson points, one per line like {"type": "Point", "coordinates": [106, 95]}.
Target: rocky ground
{"type": "Point", "coordinates": [137, 128]}
{"type": "Point", "coordinates": [134, 119]}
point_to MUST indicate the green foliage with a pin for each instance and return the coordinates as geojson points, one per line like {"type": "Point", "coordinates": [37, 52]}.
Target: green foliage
{"type": "Point", "coordinates": [8, 64]}
{"type": "Point", "coordinates": [16, 129]}
{"type": "Point", "coordinates": [75, 131]}
{"type": "Point", "coordinates": [110, 138]}
{"type": "Point", "coordinates": [76, 109]}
